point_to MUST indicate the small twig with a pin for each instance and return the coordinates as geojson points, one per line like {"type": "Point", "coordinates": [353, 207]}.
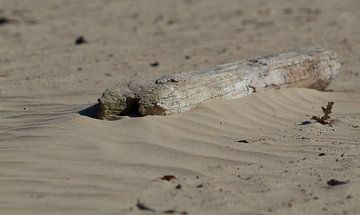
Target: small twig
{"type": "Point", "coordinates": [327, 111]}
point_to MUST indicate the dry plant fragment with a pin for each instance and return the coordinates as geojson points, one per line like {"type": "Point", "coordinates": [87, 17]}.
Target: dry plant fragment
{"type": "Point", "coordinates": [327, 111]}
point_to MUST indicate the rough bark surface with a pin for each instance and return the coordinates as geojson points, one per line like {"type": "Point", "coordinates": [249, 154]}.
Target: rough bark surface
{"type": "Point", "coordinates": [171, 94]}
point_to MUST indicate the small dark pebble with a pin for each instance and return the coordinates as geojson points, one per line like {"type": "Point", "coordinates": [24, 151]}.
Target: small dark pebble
{"type": "Point", "coordinates": [355, 126]}
{"type": "Point", "coordinates": [322, 154]}
{"type": "Point", "coordinates": [305, 123]}
{"type": "Point", "coordinates": [187, 57]}
{"type": "Point", "coordinates": [171, 211]}
{"type": "Point", "coordinates": [334, 182]}
{"type": "Point", "coordinates": [143, 207]}
{"type": "Point", "coordinates": [4, 20]}
{"type": "Point", "coordinates": [154, 64]}
{"type": "Point", "coordinates": [168, 177]}
{"type": "Point", "coordinates": [242, 141]}
{"type": "Point", "coordinates": [80, 40]}
{"type": "Point", "coordinates": [170, 22]}
{"type": "Point", "coordinates": [178, 186]}
{"type": "Point", "coordinates": [199, 186]}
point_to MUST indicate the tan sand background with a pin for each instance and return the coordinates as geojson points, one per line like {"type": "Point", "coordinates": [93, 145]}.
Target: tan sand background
{"type": "Point", "coordinates": [55, 161]}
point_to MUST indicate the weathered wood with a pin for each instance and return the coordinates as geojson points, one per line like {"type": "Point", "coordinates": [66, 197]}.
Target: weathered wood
{"type": "Point", "coordinates": [171, 94]}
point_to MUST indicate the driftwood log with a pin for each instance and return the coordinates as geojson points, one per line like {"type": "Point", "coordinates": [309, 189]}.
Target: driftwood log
{"type": "Point", "coordinates": [176, 93]}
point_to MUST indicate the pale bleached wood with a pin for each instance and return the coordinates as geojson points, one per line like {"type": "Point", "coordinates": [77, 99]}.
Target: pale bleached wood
{"type": "Point", "coordinates": [171, 94]}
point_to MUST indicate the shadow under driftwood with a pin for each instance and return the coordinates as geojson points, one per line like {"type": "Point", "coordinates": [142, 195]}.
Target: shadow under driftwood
{"type": "Point", "coordinates": [93, 112]}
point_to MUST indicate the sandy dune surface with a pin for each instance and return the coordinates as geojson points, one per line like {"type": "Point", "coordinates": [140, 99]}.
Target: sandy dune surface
{"type": "Point", "coordinates": [253, 155]}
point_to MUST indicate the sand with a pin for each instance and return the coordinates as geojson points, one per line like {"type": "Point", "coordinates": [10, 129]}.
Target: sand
{"type": "Point", "coordinates": [241, 156]}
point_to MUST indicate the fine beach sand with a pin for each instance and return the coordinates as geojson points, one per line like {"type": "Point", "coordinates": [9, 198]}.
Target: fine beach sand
{"type": "Point", "coordinates": [241, 156]}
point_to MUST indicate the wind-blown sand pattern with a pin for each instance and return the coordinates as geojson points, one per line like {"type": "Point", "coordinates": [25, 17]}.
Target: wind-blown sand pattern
{"type": "Point", "coordinates": [55, 160]}
{"type": "Point", "coordinates": [244, 156]}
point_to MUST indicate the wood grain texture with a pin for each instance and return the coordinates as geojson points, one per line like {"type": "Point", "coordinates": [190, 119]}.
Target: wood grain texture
{"type": "Point", "coordinates": [171, 94]}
